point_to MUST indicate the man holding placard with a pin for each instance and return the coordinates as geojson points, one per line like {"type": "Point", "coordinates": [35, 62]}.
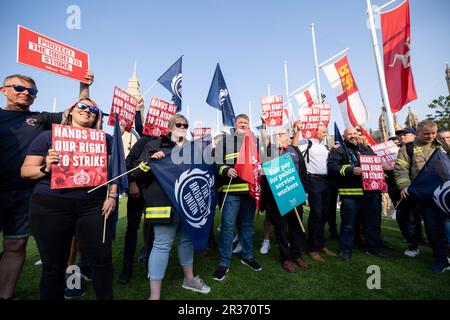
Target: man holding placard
{"type": "Point", "coordinates": [344, 164]}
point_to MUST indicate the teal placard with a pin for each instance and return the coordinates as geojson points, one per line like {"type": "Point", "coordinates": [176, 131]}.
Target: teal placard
{"type": "Point", "coordinates": [285, 183]}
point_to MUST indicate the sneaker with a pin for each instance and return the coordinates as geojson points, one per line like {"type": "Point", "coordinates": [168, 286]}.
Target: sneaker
{"type": "Point", "coordinates": [196, 284]}
{"type": "Point", "coordinates": [380, 255]}
{"type": "Point", "coordinates": [252, 264]}
{"type": "Point", "coordinates": [345, 256]}
{"type": "Point", "coordinates": [289, 266]}
{"type": "Point", "coordinates": [38, 263]}
{"type": "Point", "coordinates": [238, 248]}
{"type": "Point", "coordinates": [74, 293]}
{"type": "Point", "coordinates": [411, 252]}
{"type": "Point", "coordinates": [220, 273]}
{"type": "Point", "coordinates": [265, 247]}
{"type": "Point", "coordinates": [440, 267]}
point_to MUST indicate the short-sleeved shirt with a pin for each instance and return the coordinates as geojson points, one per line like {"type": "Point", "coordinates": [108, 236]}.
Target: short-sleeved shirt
{"type": "Point", "coordinates": [17, 130]}
{"type": "Point", "coordinates": [40, 147]}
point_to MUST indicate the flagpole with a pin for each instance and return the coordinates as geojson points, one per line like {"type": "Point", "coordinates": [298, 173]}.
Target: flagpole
{"type": "Point", "coordinates": [316, 63]}
{"type": "Point", "coordinates": [380, 71]}
{"type": "Point", "coordinates": [225, 197]}
{"type": "Point", "coordinates": [104, 218]}
{"type": "Point", "coordinates": [54, 105]}
{"type": "Point", "coordinates": [291, 115]}
{"type": "Point", "coordinates": [250, 113]}
{"type": "Point", "coordinates": [115, 178]}
{"type": "Point", "coordinates": [148, 90]}
{"type": "Point", "coordinates": [268, 90]}
{"type": "Point", "coordinates": [187, 112]}
{"type": "Point", "coordinates": [217, 121]}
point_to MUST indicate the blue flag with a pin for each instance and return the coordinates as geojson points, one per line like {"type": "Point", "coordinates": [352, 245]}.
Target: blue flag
{"type": "Point", "coordinates": [117, 167]}
{"type": "Point", "coordinates": [171, 80]}
{"type": "Point", "coordinates": [190, 185]}
{"type": "Point", "coordinates": [219, 98]}
{"type": "Point", "coordinates": [432, 184]}
{"type": "Point", "coordinates": [337, 136]}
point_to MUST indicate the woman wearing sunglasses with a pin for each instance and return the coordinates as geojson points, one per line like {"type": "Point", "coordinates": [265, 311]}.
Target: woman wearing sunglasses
{"type": "Point", "coordinates": [159, 211]}
{"type": "Point", "coordinates": [59, 214]}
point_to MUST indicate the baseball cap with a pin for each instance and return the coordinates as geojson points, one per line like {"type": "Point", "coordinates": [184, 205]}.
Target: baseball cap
{"type": "Point", "coordinates": [405, 130]}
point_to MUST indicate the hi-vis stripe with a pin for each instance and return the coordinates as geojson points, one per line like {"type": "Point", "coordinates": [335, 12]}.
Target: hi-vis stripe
{"type": "Point", "coordinates": [403, 180]}
{"type": "Point", "coordinates": [351, 192]}
{"type": "Point", "coordinates": [403, 163]}
{"type": "Point", "coordinates": [345, 166]}
{"type": "Point", "coordinates": [239, 187]}
{"type": "Point", "coordinates": [157, 212]}
{"type": "Point", "coordinates": [231, 156]}
{"type": "Point", "coordinates": [222, 168]}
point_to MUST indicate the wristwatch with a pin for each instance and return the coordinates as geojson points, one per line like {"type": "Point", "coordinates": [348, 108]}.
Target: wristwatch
{"type": "Point", "coordinates": [42, 169]}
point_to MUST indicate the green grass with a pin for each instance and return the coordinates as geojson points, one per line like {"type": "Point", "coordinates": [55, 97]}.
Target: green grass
{"type": "Point", "coordinates": [403, 278]}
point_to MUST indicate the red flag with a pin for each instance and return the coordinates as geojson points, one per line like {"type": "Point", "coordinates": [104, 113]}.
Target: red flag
{"type": "Point", "coordinates": [248, 166]}
{"type": "Point", "coordinates": [369, 138]}
{"type": "Point", "coordinates": [395, 25]}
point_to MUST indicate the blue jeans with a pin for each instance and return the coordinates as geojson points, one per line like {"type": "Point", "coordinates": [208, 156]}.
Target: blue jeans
{"type": "Point", "coordinates": [240, 209]}
{"type": "Point", "coordinates": [368, 207]}
{"type": "Point", "coordinates": [164, 238]}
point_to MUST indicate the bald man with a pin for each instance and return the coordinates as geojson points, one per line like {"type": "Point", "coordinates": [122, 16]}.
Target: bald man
{"type": "Point", "coordinates": [344, 165]}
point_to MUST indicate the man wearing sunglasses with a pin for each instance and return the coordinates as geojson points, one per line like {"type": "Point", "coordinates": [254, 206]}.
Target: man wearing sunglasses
{"type": "Point", "coordinates": [18, 128]}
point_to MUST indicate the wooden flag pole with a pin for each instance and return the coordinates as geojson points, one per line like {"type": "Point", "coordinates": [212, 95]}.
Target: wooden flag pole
{"type": "Point", "coordinates": [104, 219]}
{"type": "Point", "coordinates": [224, 198]}
{"type": "Point", "coordinates": [299, 220]}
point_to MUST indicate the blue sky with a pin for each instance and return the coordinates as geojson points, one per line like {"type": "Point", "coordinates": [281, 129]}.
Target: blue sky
{"type": "Point", "coordinates": [250, 39]}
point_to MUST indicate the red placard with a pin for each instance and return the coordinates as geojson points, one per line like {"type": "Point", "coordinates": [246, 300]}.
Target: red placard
{"type": "Point", "coordinates": [312, 117]}
{"type": "Point", "coordinates": [388, 152]}
{"type": "Point", "coordinates": [83, 157]}
{"type": "Point", "coordinates": [272, 106]}
{"type": "Point", "coordinates": [201, 132]}
{"type": "Point", "coordinates": [124, 105]}
{"type": "Point", "coordinates": [372, 173]}
{"type": "Point", "coordinates": [42, 52]}
{"type": "Point", "coordinates": [158, 116]}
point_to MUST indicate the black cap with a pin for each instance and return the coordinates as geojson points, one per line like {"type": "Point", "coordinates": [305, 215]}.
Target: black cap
{"type": "Point", "coordinates": [405, 130]}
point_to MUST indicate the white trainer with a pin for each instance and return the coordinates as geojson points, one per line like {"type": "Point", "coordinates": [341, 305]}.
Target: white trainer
{"type": "Point", "coordinates": [196, 284]}
{"type": "Point", "coordinates": [265, 247]}
{"type": "Point", "coordinates": [411, 252]}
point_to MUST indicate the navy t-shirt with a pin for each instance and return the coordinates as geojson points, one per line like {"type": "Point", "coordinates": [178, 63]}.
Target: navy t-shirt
{"type": "Point", "coordinates": [40, 147]}
{"type": "Point", "coordinates": [17, 130]}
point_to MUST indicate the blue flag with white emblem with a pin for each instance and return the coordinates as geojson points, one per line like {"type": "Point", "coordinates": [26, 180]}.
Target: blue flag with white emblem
{"type": "Point", "coordinates": [432, 185]}
{"type": "Point", "coordinates": [117, 167]}
{"type": "Point", "coordinates": [219, 98]}
{"type": "Point", "coordinates": [189, 180]}
{"type": "Point", "coordinates": [337, 136]}
{"type": "Point", "coordinates": [171, 80]}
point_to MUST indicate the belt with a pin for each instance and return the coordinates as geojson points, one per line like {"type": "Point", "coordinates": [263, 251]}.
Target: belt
{"type": "Point", "coordinates": [318, 175]}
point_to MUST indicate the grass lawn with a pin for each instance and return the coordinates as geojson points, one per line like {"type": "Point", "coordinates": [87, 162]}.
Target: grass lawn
{"type": "Point", "coordinates": [403, 278]}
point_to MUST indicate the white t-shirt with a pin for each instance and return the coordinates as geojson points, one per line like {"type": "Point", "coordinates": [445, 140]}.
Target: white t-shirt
{"type": "Point", "coordinates": [318, 155]}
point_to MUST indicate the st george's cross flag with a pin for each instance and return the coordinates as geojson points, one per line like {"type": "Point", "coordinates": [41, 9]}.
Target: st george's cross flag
{"type": "Point", "coordinates": [344, 86]}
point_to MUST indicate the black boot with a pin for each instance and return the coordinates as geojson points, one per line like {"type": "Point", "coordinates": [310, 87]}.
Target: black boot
{"type": "Point", "coordinates": [125, 275]}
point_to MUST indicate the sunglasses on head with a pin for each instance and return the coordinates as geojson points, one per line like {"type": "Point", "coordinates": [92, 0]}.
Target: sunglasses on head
{"type": "Point", "coordinates": [19, 88]}
{"type": "Point", "coordinates": [182, 125]}
{"type": "Point", "coordinates": [91, 109]}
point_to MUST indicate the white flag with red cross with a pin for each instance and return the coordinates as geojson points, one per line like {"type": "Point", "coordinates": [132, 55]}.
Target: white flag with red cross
{"type": "Point", "coordinates": [306, 98]}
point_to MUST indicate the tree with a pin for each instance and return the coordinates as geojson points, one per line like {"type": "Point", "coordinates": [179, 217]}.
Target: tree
{"type": "Point", "coordinates": [441, 116]}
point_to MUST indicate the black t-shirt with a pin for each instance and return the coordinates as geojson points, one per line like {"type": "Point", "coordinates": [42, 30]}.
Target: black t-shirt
{"type": "Point", "coordinates": [40, 147]}
{"type": "Point", "coordinates": [17, 130]}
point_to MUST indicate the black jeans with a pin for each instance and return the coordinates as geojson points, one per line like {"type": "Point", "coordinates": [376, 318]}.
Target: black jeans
{"type": "Point", "coordinates": [54, 221]}
{"type": "Point", "coordinates": [409, 222]}
{"type": "Point", "coordinates": [435, 229]}
{"type": "Point", "coordinates": [135, 206]}
{"type": "Point", "coordinates": [332, 202]}
{"type": "Point", "coordinates": [318, 199]}
{"type": "Point", "coordinates": [367, 207]}
{"type": "Point", "coordinates": [287, 232]}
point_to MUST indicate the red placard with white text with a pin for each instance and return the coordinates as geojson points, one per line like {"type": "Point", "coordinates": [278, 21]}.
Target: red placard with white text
{"type": "Point", "coordinates": [272, 106]}
{"type": "Point", "coordinates": [124, 104]}
{"type": "Point", "coordinates": [372, 173]}
{"type": "Point", "coordinates": [201, 132]}
{"type": "Point", "coordinates": [42, 52]}
{"type": "Point", "coordinates": [83, 157]}
{"type": "Point", "coordinates": [312, 117]}
{"type": "Point", "coordinates": [158, 116]}
{"type": "Point", "coordinates": [388, 152]}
